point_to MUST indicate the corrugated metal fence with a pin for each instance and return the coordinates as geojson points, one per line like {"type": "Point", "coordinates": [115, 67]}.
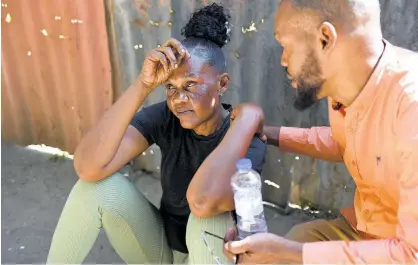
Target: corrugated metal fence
{"type": "Point", "coordinates": [56, 76]}
{"type": "Point", "coordinates": [78, 74]}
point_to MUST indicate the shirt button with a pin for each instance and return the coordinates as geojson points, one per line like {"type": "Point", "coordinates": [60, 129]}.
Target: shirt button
{"type": "Point", "coordinates": [354, 163]}
{"type": "Point", "coordinates": [366, 212]}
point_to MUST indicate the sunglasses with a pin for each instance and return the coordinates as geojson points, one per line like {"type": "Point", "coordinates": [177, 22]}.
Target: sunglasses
{"type": "Point", "coordinates": [205, 239]}
{"type": "Point", "coordinates": [212, 253]}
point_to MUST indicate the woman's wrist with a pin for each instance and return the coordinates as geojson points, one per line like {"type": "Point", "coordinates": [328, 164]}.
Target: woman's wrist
{"type": "Point", "coordinates": [142, 87]}
{"type": "Point", "coordinates": [247, 124]}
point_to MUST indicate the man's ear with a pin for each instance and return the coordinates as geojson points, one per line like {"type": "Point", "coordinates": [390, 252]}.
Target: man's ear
{"type": "Point", "coordinates": [327, 36]}
{"type": "Point", "coordinates": [223, 83]}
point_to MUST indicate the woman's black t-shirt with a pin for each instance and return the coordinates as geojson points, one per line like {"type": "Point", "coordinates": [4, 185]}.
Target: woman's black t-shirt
{"type": "Point", "coordinates": [183, 152]}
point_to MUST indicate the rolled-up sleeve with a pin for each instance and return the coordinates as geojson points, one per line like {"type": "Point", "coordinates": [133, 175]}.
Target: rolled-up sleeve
{"type": "Point", "coordinates": [316, 142]}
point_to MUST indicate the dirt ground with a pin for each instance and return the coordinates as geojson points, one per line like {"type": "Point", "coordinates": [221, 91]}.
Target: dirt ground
{"type": "Point", "coordinates": [35, 186]}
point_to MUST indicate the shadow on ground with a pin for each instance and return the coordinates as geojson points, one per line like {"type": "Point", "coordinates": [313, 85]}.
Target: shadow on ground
{"type": "Point", "coordinates": [34, 189]}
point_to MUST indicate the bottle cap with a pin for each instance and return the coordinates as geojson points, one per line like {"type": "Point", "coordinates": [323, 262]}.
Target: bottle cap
{"type": "Point", "coordinates": [244, 164]}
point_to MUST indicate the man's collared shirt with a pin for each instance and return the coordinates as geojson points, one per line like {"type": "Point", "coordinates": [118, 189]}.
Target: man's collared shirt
{"type": "Point", "coordinates": [377, 139]}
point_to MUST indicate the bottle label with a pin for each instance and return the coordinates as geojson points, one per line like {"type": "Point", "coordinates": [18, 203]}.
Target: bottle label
{"type": "Point", "coordinates": [247, 209]}
{"type": "Point", "coordinates": [246, 224]}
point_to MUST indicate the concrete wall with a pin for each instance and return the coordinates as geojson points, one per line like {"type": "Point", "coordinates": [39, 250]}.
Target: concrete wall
{"type": "Point", "coordinates": [253, 59]}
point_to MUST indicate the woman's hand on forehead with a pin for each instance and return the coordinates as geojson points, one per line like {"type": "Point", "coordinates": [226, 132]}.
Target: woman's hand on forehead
{"type": "Point", "coordinates": [160, 63]}
{"type": "Point", "coordinates": [174, 53]}
{"type": "Point", "coordinates": [179, 50]}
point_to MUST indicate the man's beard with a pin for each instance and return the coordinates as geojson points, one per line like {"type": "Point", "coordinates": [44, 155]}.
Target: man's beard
{"type": "Point", "coordinates": [309, 83]}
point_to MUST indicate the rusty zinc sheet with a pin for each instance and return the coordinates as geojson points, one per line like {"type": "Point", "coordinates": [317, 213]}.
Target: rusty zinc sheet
{"type": "Point", "coordinates": [56, 74]}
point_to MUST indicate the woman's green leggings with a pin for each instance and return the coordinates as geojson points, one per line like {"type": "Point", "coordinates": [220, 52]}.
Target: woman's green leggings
{"type": "Point", "coordinates": [132, 224]}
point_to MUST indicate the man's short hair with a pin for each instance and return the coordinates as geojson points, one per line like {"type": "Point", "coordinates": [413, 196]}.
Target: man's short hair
{"type": "Point", "coordinates": [342, 12]}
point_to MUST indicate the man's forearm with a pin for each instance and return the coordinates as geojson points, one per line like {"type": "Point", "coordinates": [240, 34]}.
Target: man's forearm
{"type": "Point", "coordinates": [272, 133]}
{"type": "Point", "coordinates": [315, 142]}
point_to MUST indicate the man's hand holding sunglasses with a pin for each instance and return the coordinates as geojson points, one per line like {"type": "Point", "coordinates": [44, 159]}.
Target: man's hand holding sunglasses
{"type": "Point", "coordinates": [263, 248]}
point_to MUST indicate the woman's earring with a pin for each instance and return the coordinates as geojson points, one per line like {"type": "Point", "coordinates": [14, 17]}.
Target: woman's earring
{"type": "Point", "coordinates": [221, 94]}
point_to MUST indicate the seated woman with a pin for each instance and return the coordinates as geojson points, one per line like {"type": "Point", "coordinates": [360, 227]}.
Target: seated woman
{"type": "Point", "coordinates": [199, 149]}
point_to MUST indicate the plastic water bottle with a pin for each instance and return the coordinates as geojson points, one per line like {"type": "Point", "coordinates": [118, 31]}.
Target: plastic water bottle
{"type": "Point", "coordinates": [246, 184]}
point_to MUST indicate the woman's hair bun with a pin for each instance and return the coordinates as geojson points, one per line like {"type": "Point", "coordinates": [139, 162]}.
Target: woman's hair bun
{"type": "Point", "coordinates": [210, 23]}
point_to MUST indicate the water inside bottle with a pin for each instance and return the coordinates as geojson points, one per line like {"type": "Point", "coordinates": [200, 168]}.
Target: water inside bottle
{"type": "Point", "coordinates": [250, 214]}
{"type": "Point", "coordinates": [246, 184]}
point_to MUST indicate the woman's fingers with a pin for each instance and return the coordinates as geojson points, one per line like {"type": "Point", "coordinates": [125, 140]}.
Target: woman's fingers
{"type": "Point", "coordinates": [169, 54]}
{"type": "Point", "coordinates": [177, 48]}
{"type": "Point", "coordinates": [158, 57]}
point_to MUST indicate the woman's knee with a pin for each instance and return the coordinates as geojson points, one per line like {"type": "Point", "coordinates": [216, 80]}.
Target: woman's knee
{"type": "Point", "coordinates": [198, 250]}
{"type": "Point", "coordinates": [115, 189]}
{"type": "Point", "coordinates": [217, 225]}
